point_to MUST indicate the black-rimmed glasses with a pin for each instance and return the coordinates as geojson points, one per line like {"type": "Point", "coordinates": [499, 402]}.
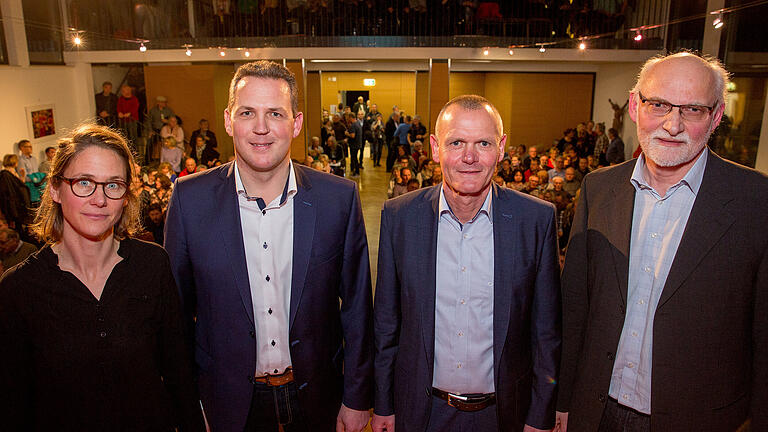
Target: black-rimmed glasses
{"type": "Point", "coordinates": [84, 187]}
{"type": "Point", "coordinates": [689, 112]}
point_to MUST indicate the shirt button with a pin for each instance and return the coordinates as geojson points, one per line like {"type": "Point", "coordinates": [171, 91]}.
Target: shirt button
{"type": "Point", "coordinates": [647, 269]}
{"type": "Point", "coordinates": [654, 235]}
{"type": "Point", "coordinates": [466, 236]}
{"type": "Point", "coordinates": [463, 269]}
{"type": "Point", "coordinates": [269, 311]}
{"type": "Point", "coordinates": [625, 397]}
{"type": "Point", "coordinates": [461, 333]}
{"type": "Point", "coordinates": [630, 365]}
{"type": "Point", "coordinates": [265, 245]}
{"type": "Point", "coordinates": [634, 333]}
{"type": "Point", "coordinates": [641, 302]}
{"type": "Point", "coordinates": [490, 283]}
{"type": "Point", "coordinates": [267, 278]}
{"type": "Point", "coordinates": [458, 366]}
{"type": "Point", "coordinates": [103, 334]}
{"type": "Point", "coordinates": [275, 371]}
{"type": "Point", "coordinates": [273, 342]}
{"type": "Point", "coordinates": [463, 301]}
{"type": "Point", "coordinates": [264, 212]}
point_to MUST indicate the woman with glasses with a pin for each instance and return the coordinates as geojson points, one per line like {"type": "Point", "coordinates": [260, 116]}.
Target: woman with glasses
{"type": "Point", "coordinates": [91, 325]}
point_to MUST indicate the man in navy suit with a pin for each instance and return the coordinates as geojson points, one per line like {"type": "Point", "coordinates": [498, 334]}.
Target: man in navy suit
{"type": "Point", "coordinates": [468, 334]}
{"type": "Point", "coordinates": [272, 263]}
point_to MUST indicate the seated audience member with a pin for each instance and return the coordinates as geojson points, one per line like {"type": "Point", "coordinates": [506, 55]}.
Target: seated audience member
{"type": "Point", "coordinates": [200, 168]}
{"type": "Point", "coordinates": [167, 170]}
{"type": "Point", "coordinates": [571, 184]}
{"type": "Point", "coordinates": [171, 153]}
{"type": "Point", "coordinates": [514, 163]}
{"type": "Point", "coordinates": [156, 222]}
{"type": "Point", "coordinates": [399, 185]}
{"type": "Point", "coordinates": [593, 163]}
{"type": "Point", "coordinates": [506, 171]}
{"type": "Point", "coordinates": [12, 249]}
{"type": "Point", "coordinates": [326, 163]}
{"type": "Point", "coordinates": [533, 187]}
{"type": "Point", "coordinates": [45, 166]}
{"type": "Point", "coordinates": [204, 154]}
{"type": "Point", "coordinates": [425, 173]}
{"type": "Point", "coordinates": [435, 179]}
{"type": "Point", "coordinates": [14, 195]}
{"type": "Point", "coordinates": [544, 180]}
{"type": "Point", "coordinates": [315, 149]}
{"type": "Point", "coordinates": [403, 156]}
{"type": "Point", "coordinates": [533, 155]}
{"type": "Point", "coordinates": [419, 154]}
{"type": "Point", "coordinates": [317, 165]}
{"type": "Point", "coordinates": [558, 170]}
{"type": "Point", "coordinates": [545, 162]}
{"type": "Point", "coordinates": [567, 139]}
{"type": "Point", "coordinates": [582, 168]}
{"type": "Point", "coordinates": [173, 129]}
{"type": "Point", "coordinates": [307, 161]}
{"type": "Point", "coordinates": [209, 138]}
{"type": "Point", "coordinates": [412, 185]}
{"type": "Point", "coordinates": [161, 194]}
{"type": "Point", "coordinates": [190, 167]}
{"type": "Point", "coordinates": [498, 180]}
{"type": "Point", "coordinates": [518, 181]}
{"type": "Point", "coordinates": [336, 158]}
{"type": "Point", "coordinates": [533, 168]}
{"type": "Point", "coordinates": [557, 188]}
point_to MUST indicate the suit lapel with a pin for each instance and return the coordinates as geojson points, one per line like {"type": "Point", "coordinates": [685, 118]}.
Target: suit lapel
{"type": "Point", "coordinates": [708, 222]}
{"type": "Point", "coordinates": [231, 233]}
{"type": "Point", "coordinates": [618, 212]}
{"type": "Point", "coordinates": [304, 215]}
{"type": "Point", "coordinates": [425, 223]}
{"type": "Point", "coordinates": [506, 231]}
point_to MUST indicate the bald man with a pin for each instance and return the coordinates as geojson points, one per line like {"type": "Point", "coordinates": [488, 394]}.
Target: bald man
{"type": "Point", "coordinates": [665, 285]}
{"type": "Point", "coordinates": [467, 328]}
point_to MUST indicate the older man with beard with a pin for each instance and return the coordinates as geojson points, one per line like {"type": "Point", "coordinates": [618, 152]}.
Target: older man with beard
{"type": "Point", "coordinates": [665, 283]}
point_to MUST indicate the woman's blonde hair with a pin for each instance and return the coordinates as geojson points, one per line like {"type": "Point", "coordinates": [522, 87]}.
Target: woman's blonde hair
{"type": "Point", "coordinates": [49, 218]}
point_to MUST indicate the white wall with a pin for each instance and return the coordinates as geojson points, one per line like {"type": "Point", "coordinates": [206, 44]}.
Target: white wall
{"type": "Point", "coordinates": [67, 87]}
{"type": "Point", "coordinates": [613, 81]}
{"type": "Point", "coordinates": [112, 73]}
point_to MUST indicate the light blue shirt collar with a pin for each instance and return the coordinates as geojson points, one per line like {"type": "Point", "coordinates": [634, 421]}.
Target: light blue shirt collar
{"type": "Point", "coordinates": [692, 178]}
{"type": "Point", "coordinates": [444, 207]}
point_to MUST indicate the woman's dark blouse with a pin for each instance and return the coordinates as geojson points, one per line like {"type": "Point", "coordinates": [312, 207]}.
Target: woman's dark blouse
{"type": "Point", "coordinates": [72, 362]}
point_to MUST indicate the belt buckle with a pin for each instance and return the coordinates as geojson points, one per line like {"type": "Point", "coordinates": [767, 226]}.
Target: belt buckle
{"type": "Point", "coordinates": [454, 397]}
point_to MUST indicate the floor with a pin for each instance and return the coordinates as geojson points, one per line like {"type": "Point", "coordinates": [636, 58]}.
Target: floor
{"type": "Point", "coordinates": [372, 183]}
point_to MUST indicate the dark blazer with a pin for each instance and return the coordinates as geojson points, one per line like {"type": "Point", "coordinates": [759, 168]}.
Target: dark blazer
{"type": "Point", "coordinates": [356, 128]}
{"type": "Point", "coordinates": [330, 262]}
{"type": "Point", "coordinates": [526, 309]}
{"type": "Point", "coordinates": [710, 336]}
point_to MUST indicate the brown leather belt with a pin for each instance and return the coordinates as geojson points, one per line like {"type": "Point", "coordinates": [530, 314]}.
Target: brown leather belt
{"type": "Point", "coordinates": [468, 402]}
{"type": "Point", "coordinates": [276, 380]}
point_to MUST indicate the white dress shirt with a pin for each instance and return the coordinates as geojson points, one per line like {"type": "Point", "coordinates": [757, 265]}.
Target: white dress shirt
{"type": "Point", "coordinates": [268, 241]}
{"type": "Point", "coordinates": [658, 224]}
{"type": "Point", "coordinates": [464, 302]}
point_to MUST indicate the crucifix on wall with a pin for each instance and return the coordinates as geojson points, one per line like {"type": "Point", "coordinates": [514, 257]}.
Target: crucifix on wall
{"type": "Point", "coordinates": [618, 114]}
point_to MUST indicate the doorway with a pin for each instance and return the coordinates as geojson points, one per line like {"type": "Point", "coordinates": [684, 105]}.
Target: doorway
{"type": "Point", "coordinates": [350, 96]}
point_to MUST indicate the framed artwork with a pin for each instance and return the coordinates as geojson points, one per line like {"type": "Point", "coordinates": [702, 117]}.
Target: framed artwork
{"type": "Point", "coordinates": [41, 122]}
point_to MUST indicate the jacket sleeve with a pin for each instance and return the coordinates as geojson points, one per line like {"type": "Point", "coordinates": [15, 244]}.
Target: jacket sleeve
{"type": "Point", "coordinates": [760, 348]}
{"type": "Point", "coordinates": [386, 319]}
{"type": "Point", "coordinates": [356, 311]}
{"type": "Point", "coordinates": [545, 332]}
{"type": "Point", "coordinates": [575, 299]}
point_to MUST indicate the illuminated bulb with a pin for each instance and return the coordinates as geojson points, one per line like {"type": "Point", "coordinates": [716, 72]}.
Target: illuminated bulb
{"type": "Point", "coordinates": [582, 46]}
{"type": "Point", "coordinates": [222, 53]}
{"type": "Point", "coordinates": [718, 22]}
{"type": "Point", "coordinates": [247, 54]}
{"type": "Point", "coordinates": [142, 48]}
{"type": "Point", "coordinates": [511, 52]}
{"type": "Point", "coordinates": [638, 37]}
{"type": "Point", "coordinates": [188, 52]}
{"type": "Point", "coordinates": [77, 41]}
{"type": "Point", "coordinates": [542, 49]}
{"type": "Point", "coordinates": [485, 51]}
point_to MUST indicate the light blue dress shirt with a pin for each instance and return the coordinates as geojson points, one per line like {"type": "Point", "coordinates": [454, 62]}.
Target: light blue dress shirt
{"type": "Point", "coordinates": [464, 302]}
{"type": "Point", "coordinates": [658, 224]}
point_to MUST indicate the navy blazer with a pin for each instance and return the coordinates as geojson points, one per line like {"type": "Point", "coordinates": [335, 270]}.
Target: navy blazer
{"type": "Point", "coordinates": [526, 309]}
{"type": "Point", "coordinates": [330, 262]}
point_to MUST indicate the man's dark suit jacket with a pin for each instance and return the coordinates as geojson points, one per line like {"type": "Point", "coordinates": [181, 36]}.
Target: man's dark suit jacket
{"type": "Point", "coordinates": [330, 262]}
{"type": "Point", "coordinates": [710, 332]}
{"type": "Point", "coordinates": [357, 141]}
{"type": "Point", "coordinates": [526, 309]}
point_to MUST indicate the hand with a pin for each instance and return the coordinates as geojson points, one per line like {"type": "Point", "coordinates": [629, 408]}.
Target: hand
{"type": "Point", "coordinates": [533, 429]}
{"type": "Point", "coordinates": [350, 420]}
{"type": "Point", "coordinates": [561, 421]}
{"type": "Point", "coordinates": [103, 114]}
{"type": "Point", "coordinates": [383, 423]}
